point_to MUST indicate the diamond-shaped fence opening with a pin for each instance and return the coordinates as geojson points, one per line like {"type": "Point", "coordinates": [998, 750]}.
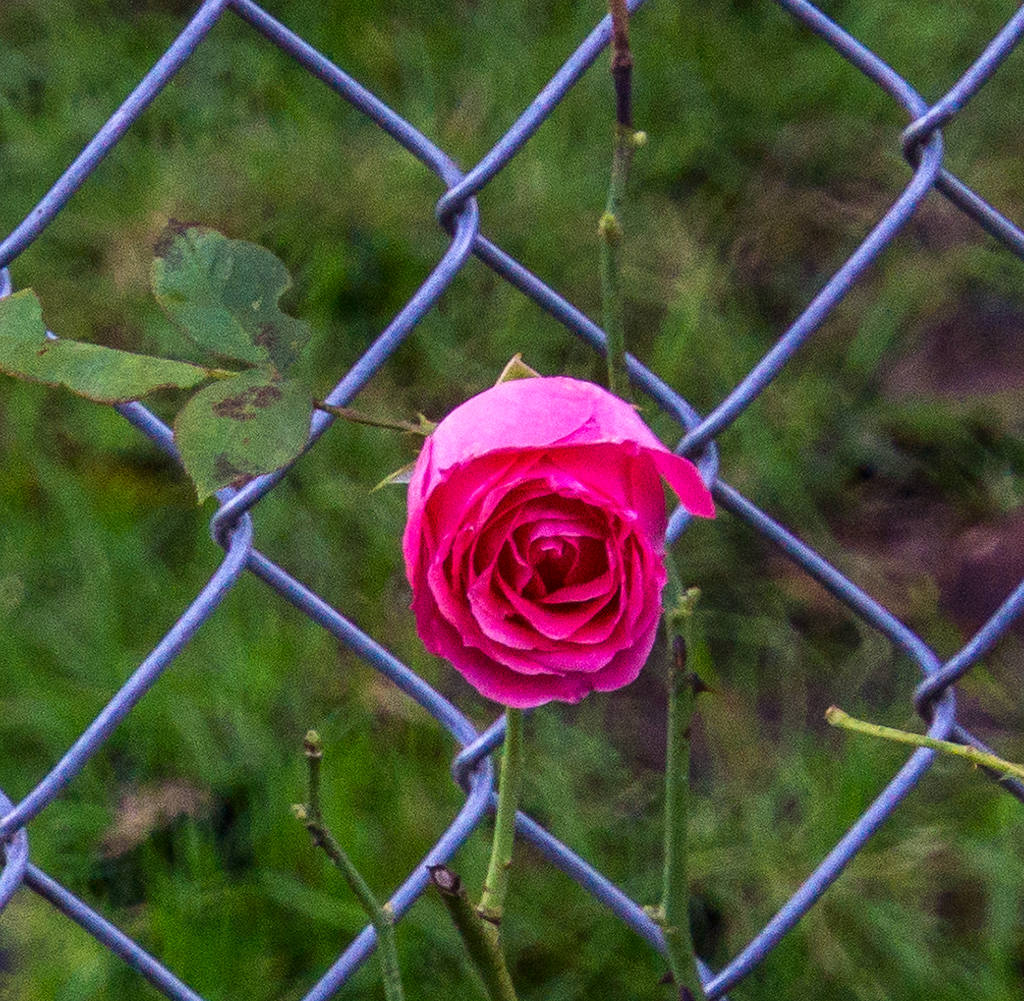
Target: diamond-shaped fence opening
{"type": "Point", "coordinates": [236, 525]}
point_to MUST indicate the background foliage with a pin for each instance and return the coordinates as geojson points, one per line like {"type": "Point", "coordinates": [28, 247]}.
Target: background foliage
{"type": "Point", "coordinates": [892, 443]}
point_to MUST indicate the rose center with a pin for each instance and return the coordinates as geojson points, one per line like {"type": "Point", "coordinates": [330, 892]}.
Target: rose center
{"type": "Point", "coordinates": [556, 561]}
{"type": "Point", "coordinates": [559, 562]}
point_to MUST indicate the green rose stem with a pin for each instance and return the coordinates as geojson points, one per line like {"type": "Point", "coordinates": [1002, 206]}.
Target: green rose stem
{"type": "Point", "coordinates": [477, 934]}
{"type": "Point", "coordinates": [609, 228]}
{"type": "Point", "coordinates": [837, 717]}
{"type": "Point", "coordinates": [382, 918]}
{"type": "Point", "coordinates": [683, 688]}
{"type": "Point", "coordinates": [509, 782]}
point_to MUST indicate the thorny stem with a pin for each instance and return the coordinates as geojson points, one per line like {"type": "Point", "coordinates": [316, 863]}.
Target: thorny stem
{"type": "Point", "coordinates": [382, 918]}
{"type": "Point", "coordinates": [837, 717]}
{"type": "Point", "coordinates": [683, 688]}
{"type": "Point", "coordinates": [478, 934]}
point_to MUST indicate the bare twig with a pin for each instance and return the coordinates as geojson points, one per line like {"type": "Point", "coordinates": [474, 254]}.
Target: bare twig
{"type": "Point", "coordinates": [837, 717]}
{"type": "Point", "coordinates": [610, 227]}
{"type": "Point", "coordinates": [622, 63]}
{"type": "Point", "coordinates": [381, 917]}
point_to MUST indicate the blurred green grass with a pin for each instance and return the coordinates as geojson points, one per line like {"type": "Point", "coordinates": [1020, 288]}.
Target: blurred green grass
{"type": "Point", "coordinates": [770, 158]}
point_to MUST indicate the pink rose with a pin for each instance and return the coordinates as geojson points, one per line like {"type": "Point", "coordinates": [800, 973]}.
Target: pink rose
{"type": "Point", "coordinates": [536, 537]}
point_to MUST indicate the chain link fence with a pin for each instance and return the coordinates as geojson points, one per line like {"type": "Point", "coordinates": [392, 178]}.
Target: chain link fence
{"type": "Point", "coordinates": [457, 212]}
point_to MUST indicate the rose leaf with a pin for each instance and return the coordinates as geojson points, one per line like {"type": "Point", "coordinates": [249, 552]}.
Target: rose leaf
{"type": "Point", "coordinates": [241, 428]}
{"type": "Point", "coordinates": [99, 373]}
{"type": "Point", "coordinates": [223, 293]}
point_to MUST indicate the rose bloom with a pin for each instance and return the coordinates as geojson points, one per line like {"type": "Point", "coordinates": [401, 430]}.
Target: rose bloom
{"type": "Point", "coordinates": [536, 537]}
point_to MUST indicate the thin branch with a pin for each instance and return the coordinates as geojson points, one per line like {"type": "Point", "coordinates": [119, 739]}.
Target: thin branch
{"type": "Point", "coordinates": [382, 918]}
{"type": "Point", "coordinates": [610, 227]}
{"type": "Point", "coordinates": [622, 63]}
{"type": "Point", "coordinates": [422, 427]}
{"type": "Point", "coordinates": [837, 717]}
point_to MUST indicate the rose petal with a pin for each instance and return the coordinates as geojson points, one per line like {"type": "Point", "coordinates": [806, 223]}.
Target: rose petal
{"type": "Point", "coordinates": [682, 476]}
{"type": "Point", "coordinates": [528, 414]}
{"type": "Point", "coordinates": [524, 691]}
{"type": "Point", "coordinates": [536, 413]}
{"type": "Point", "coordinates": [555, 625]}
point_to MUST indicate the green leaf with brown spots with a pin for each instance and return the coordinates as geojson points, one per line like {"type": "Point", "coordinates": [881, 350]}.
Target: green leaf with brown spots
{"type": "Point", "coordinates": [223, 293]}
{"type": "Point", "coordinates": [103, 374]}
{"type": "Point", "coordinates": [240, 428]}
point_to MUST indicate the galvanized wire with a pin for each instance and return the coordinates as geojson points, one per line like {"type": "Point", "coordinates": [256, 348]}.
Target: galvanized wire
{"type": "Point", "coordinates": [233, 525]}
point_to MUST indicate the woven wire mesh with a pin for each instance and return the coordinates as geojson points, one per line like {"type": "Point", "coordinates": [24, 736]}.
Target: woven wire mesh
{"type": "Point", "coordinates": [234, 525]}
